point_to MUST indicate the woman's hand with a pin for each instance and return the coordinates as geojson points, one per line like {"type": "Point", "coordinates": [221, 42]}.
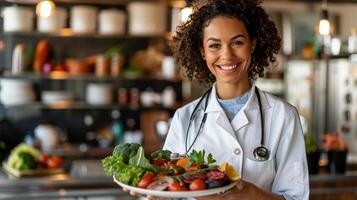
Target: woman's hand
{"type": "Point", "coordinates": [244, 191]}
{"type": "Point", "coordinates": [134, 194]}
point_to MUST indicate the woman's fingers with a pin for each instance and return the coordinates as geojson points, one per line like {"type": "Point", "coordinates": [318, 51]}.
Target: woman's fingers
{"type": "Point", "coordinates": [132, 193]}
{"type": "Point", "coordinates": [149, 197]}
{"type": "Point", "coordinates": [240, 185]}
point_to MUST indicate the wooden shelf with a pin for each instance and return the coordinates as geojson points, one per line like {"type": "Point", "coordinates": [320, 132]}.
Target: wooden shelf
{"type": "Point", "coordinates": [87, 77]}
{"type": "Point", "coordinates": [83, 105]}
{"type": "Point", "coordinates": [66, 33]}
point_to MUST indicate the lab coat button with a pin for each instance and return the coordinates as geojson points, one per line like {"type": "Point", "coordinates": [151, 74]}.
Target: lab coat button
{"type": "Point", "coordinates": [237, 151]}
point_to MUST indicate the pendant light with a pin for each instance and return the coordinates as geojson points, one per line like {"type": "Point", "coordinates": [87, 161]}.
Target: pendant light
{"type": "Point", "coordinates": [45, 8]}
{"type": "Point", "coordinates": [324, 24]}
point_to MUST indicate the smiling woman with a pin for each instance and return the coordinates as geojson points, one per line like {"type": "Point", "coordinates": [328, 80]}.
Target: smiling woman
{"type": "Point", "coordinates": [188, 43]}
{"type": "Point", "coordinates": [227, 50]}
{"type": "Point", "coordinates": [228, 44]}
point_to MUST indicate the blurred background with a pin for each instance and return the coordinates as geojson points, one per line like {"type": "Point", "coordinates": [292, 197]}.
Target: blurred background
{"type": "Point", "coordinates": [78, 77]}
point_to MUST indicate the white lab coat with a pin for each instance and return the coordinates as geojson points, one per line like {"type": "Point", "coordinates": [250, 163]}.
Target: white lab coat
{"type": "Point", "coordinates": [284, 173]}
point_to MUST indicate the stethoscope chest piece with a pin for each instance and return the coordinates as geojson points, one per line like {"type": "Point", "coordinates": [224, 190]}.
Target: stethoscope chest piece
{"type": "Point", "coordinates": [261, 153]}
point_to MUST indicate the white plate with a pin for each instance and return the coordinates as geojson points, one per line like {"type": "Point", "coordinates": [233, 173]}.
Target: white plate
{"type": "Point", "coordinates": [184, 194]}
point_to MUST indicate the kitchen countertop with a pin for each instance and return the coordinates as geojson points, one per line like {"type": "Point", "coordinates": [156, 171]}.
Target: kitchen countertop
{"type": "Point", "coordinates": [86, 178]}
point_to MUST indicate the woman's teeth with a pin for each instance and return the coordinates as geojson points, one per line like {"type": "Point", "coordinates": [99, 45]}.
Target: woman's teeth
{"type": "Point", "coordinates": [228, 67]}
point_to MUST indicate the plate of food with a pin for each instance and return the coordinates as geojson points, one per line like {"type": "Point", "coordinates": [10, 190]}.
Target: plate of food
{"type": "Point", "coordinates": [178, 194]}
{"type": "Point", "coordinates": [166, 174]}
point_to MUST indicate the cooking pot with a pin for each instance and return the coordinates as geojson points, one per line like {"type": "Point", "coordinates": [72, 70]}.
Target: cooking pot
{"type": "Point", "coordinates": [53, 23]}
{"type": "Point", "coordinates": [147, 18]}
{"type": "Point", "coordinates": [17, 18]}
{"type": "Point", "coordinates": [83, 19]}
{"type": "Point", "coordinates": [111, 21]}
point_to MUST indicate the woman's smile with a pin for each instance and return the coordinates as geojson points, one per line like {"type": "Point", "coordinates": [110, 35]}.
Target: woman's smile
{"type": "Point", "coordinates": [227, 50]}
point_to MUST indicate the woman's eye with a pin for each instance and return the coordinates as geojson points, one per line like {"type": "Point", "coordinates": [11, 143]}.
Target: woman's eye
{"type": "Point", "coordinates": [237, 43]}
{"type": "Point", "coordinates": [214, 46]}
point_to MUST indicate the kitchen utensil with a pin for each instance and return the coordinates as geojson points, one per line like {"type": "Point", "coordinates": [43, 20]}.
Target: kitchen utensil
{"type": "Point", "coordinates": [18, 59]}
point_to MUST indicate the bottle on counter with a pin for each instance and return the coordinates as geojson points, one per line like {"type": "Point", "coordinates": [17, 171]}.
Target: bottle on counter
{"type": "Point", "coordinates": [134, 98]}
{"type": "Point", "coordinates": [90, 134]}
{"type": "Point", "coordinates": [116, 64]}
{"type": "Point", "coordinates": [132, 133]}
{"type": "Point", "coordinates": [168, 97]}
{"type": "Point", "coordinates": [352, 41]}
{"type": "Point", "coordinates": [117, 127]}
{"type": "Point", "coordinates": [123, 96]}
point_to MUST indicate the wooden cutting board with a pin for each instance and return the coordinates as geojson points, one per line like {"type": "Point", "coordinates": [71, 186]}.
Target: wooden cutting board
{"type": "Point", "coordinates": [32, 172]}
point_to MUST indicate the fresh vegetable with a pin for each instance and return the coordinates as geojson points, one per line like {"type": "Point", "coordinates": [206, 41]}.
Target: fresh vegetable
{"type": "Point", "coordinates": [146, 180]}
{"type": "Point", "coordinates": [175, 170]}
{"type": "Point", "coordinates": [43, 159]}
{"type": "Point", "coordinates": [130, 175]}
{"type": "Point", "coordinates": [23, 157]}
{"type": "Point", "coordinates": [161, 154]}
{"type": "Point", "coordinates": [175, 186]}
{"type": "Point", "coordinates": [126, 150]}
{"type": "Point", "coordinates": [158, 172]}
{"type": "Point", "coordinates": [197, 184]}
{"type": "Point", "coordinates": [24, 161]}
{"type": "Point", "coordinates": [187, 165]}
{"type": "Point", "coordinates": [198, 157]}
{"type": "Point", "coordinates": [183, 162]}
{"type": "Point", "coordinates": [113, 164]}
{"type": "Point", "coordinates": [54, 162]}
{"type": "Point", "coordinates": [140, 160]}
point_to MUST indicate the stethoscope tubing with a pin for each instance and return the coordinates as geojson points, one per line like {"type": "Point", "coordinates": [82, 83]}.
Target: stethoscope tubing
{"type": "Point", "coordinates": [261, 153]}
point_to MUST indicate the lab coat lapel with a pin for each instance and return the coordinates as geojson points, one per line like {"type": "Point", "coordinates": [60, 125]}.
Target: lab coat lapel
{"type": "Point", "coordinates": [250, 111]}
{"type": "Point", "coordinates": [221, 119]}
{"type": "Point", "coordinates": [240, 120]}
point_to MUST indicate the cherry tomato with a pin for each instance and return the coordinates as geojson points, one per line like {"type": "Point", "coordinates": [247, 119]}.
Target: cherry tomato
{"type": "Point", "coordinates": [197, 184]}
{"type": "Point", "coordinates": [54, 162]}
{"type": "Point", "coordinates": [43, 159]}
{"type": "Point", "coordinates": [158, 162]}
{"type": "Point", "coordinates": [146, 180]}
{"type": "Point", "coordinates": [175, 186]}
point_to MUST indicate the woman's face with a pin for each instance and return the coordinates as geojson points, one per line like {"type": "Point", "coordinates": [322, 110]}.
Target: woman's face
{"type": "Point", "coordinates": [227, 50]}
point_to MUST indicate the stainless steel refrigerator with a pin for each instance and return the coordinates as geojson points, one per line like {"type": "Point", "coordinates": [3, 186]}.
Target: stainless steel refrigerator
{"type": "Point", "coordinates": [306, 89]}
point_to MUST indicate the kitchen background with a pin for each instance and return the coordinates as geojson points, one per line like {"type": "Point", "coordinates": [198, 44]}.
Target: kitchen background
{"type": "Point", "coordinates": [93, 74]}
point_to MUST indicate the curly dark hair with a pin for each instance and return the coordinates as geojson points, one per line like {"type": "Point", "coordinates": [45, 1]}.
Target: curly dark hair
{"type": "Point", "coordinates": [187, 42]}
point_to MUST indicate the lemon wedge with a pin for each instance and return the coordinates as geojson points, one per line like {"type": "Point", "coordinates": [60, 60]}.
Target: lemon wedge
{"type": "Point", "coordinates": [229, 170]}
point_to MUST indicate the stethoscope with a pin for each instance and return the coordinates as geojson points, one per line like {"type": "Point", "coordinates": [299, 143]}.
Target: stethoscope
{"type": "Point", "coordinates": [261, 153]}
